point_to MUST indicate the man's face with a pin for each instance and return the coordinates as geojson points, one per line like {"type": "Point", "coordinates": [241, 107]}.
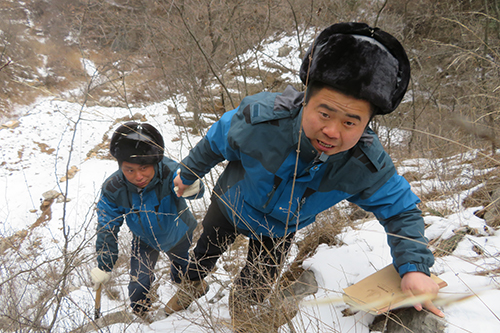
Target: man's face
{"type": "Point", "coordinates": [138, 174]}
{"type": "Point", "coordinates": [334, 122]}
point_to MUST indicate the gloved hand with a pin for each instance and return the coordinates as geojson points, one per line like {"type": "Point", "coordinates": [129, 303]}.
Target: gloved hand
{"type": "Point", "coordinates": [191, 189]}
{"type": "Point", "coordinates": [99, 277]}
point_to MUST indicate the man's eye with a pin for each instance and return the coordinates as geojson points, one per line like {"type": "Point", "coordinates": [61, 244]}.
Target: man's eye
{"type": "Point", "coordinates": [324, 115]}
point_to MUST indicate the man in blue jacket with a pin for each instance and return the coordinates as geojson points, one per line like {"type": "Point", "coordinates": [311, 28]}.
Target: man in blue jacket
{"type": "Point", "coordinates": [293, 155]}
{"type": "Point", "coordinates": [141, 191]}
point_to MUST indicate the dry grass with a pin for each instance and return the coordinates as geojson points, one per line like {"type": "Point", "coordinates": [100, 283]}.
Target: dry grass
{"type": "Point", "coordinates": [454, 73]}
{"type": "Point", "coordinates": [445, 247]}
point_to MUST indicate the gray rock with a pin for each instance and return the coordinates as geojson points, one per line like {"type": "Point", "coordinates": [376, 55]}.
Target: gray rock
{"type": "Point", "coordinates": [305, 285]}
{"type": "Point", "coordinates": [284, 51]}
{"type": "Point", "coordinates": [51, 194]}
{"type": "Point", "coordinates": [408, 320]}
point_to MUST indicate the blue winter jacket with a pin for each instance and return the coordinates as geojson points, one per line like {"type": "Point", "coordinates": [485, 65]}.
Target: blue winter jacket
{"type": "Point", "coordinates": [154, 214]}
{"type": "Point", "coordinates": [260, 140]}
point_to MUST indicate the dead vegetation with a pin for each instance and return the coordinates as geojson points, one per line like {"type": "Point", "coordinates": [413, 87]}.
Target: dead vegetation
{"type": "Point", "coordinates": [445, 247]}
{"type": "Point", "coordinates": [146, 51]}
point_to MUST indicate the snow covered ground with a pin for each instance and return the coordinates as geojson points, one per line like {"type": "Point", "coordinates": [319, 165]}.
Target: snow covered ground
{"type": "Point", "coordinates": [54, 135]}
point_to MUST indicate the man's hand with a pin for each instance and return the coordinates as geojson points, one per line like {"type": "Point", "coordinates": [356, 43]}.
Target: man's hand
{"type": "Point", "coordinates": [185, 190]}
{"type": "Point", "coordinates": [99, 277]}
{"type": "Point", "coordinates": [418, 283]}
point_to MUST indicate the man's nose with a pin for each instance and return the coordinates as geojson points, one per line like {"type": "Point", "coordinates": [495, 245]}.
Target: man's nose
{"type": "Point", "coordinates": [332, 130]}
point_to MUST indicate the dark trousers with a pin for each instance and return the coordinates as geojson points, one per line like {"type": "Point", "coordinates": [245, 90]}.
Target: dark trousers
{"type": "Point", "coordinates": [142, 264]}
{"type": "Point", "coordinates": [264, 257]}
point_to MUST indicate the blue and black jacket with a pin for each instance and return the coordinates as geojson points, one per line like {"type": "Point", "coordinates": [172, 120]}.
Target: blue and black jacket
{"type": "Point", "coordinates": [154, 214]}
{"type": "Point", "coordinates": [260, 140]}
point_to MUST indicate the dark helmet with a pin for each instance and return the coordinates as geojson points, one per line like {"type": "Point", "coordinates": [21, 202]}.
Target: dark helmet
{"type": "Point", "coordinates": [137, 143]}
{"type": "Point", "coordinates": [363, 62]}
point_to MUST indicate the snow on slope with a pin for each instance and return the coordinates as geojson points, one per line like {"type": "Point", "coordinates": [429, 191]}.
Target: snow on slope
{"type": "Point", "coordinates": [35, 156]}
{"type": "Point", "coordinates": [54, 135]}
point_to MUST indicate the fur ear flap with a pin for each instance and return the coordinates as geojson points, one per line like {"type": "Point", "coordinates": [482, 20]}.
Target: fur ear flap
{"type": "Point", "coordinates": [357, 60]}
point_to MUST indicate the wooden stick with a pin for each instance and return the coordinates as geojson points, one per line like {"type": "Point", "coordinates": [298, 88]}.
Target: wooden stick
{"type": "Point", "coordinates": [97, 312]}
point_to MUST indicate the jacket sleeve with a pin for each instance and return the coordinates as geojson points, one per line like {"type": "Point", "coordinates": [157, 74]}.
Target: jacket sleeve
{"type": "Point", "coordinates": [211, 150]}
{"type": "Point", "coordinates": [405, 235]}
{"type": "Point", "coordinates": [395, 206]}
{"type": "Point", "coordinates": [110, 219]}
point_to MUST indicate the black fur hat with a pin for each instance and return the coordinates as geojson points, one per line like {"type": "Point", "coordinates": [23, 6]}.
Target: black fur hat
{"type": "Point", "coordinates": [363, 62]}
{"type": "Point", "coordinates": [137, 143]}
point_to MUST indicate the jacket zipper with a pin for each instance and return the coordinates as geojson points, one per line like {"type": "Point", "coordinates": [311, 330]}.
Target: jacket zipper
{"type": "Point", "coordinates": [138, 212]}
{"type": "Point", "coordinates": [307, 193]}
{"type": "Point", "coordinates": [270, 196]}
{"type": "Point", "coordinates": [301, 203]}
{"type": "Point", "coordinates": [277, 182]}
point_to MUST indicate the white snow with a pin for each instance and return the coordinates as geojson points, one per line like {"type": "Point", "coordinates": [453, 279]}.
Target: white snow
{"type": "Point", "coordinates": [35, 156]}
{"type": "Point", "coordinates": [54, 135]}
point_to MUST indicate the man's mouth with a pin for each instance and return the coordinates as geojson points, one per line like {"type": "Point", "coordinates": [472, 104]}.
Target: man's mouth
{"type": "Point", "coordinates": [324, 144]}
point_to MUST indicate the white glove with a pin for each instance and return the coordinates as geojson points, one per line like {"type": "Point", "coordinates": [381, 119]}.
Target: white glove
{"type": "Point", "coordinates": [99, 277]}
{"type": "Point", "coordinates": [190, 190]}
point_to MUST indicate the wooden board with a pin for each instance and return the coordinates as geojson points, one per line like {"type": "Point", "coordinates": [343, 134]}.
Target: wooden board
{"type": "Point", "coordinates": [381, 292]}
